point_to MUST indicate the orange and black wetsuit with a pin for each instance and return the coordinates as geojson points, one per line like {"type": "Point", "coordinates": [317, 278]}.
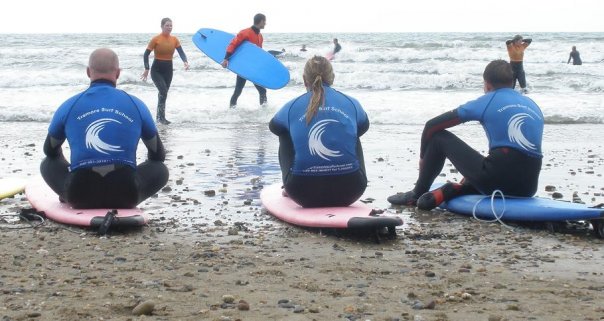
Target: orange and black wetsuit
{"type": "Point", "coordinates": [254, 36]}
{"type": "Point", "coordinates": [516, 53]}
{"type": "Point", "coordinates": [163, 47]}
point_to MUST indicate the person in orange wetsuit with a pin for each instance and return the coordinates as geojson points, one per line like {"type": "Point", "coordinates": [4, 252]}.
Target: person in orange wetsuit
{"type": "Point", "coordinates": [254, 36]}
{"type": "Point", "coordinates": [163, 46]}
{"type": "Point", "coordinates": [516, 48]}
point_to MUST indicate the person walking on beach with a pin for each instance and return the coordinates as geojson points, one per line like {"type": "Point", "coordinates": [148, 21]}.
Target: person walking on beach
{"type": "Point", "coordinates": [254, 36]}
{"type": "Point", "coordinates": [514, 127]}
{"type": "Point", "coordinates": [575, 56]}
{"type": "Point", "coordinates": [516, 48]}
{"type": "Point", "coordinates": [163, 46]}
{"type": "Point", "coordinates": [320, 152]}
{"type": "Point", "coordinates": [103, 126]}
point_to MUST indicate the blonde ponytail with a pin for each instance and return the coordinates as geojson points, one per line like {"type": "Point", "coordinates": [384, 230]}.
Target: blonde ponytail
{"type": "Point", "coordinates": [319, 71]}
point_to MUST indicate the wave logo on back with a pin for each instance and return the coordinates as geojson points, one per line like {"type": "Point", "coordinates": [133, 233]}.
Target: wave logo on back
{"type": "Point", "coordinates": [515, 131]}
{"type": "Point", "coordinates": [95, 142]}
{"type": "Point", "coordinates": [315, 145]}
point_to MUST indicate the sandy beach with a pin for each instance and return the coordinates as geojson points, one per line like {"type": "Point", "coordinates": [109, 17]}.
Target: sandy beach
{"type": "Point", "coordinates": [224, 258]}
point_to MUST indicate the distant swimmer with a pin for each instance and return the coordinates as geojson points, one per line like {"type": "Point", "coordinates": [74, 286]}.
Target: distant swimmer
{"type": "Point", "coordinates": [336, 49]}
{"type": "Point", "coordinates": [336, 45]}
{"type": "Point", "coordinates": [253, 35]}
{"type": "Point", "coordinates": [516, 48]}
{"type": "Point", "coordinates": [303, 48]}
{"type": "Point", "coordinates": [163, 46]}
{"type": "Point", "coordinates": [276, 52]}
{"type": "Point", "coordinates": [575, 56]}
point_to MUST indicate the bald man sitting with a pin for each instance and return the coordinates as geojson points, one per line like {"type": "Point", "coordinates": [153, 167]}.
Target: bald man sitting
{"type": "Point", "coordinates": [103, 126]}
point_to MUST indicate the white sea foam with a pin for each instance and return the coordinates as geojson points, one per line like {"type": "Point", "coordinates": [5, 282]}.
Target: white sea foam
{"type": "Point", "coordinates": [398, 78]}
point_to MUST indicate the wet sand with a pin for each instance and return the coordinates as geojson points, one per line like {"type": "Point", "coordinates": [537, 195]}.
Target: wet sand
{"type": "Point", "coordinates": [223, 257]}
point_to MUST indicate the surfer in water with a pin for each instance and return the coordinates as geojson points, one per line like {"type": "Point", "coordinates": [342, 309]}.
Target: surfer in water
{"type": "Point", "coordinates": [516, 48]}
{"type": "Point", "coordinates": [514, 127]}
{"type": "Point", "coordinates": [103, 126]}
{"type": "Point", "coordinates": [276, 53]}
{"type": "Point", "coordinates": [336, 46]}
{"type": "Point", "coordinates": [163, 46]}
{"type": "Point", "coordinates": [320, 152]}
{"type": "Point", "coordinates": [254, 36]}
{"type": "Point", "coordinates": [575, 56]}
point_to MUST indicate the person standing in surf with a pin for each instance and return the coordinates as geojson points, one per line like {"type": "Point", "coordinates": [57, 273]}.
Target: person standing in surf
{"type": "Point", "coordinates": [253, 35]}
{"type": "Point", "coordinates": [103, 126]}
{"type": "Point", "coordinates": [320, 152]}
{"type": "Point", "coordinates": [336, 46]}
{"type": "Point", "coordinates": [163, 46]}
{"type": "Point", "coordinates": [516, 48]}
{"type": "Point", "coordinates": [575, 56]}
{"type": "Point", "coordinates": [514, 127]}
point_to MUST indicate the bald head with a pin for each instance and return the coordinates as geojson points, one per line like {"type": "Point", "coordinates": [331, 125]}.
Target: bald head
{"type": "Point", "coordinates": [103, 64]}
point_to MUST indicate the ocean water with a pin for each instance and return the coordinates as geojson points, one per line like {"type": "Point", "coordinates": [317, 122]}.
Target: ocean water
{"type": "Point", "coordinates": [399, 78]}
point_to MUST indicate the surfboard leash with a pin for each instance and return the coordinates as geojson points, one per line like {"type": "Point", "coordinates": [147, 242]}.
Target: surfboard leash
{"type": "Point", "coordinates": [498, 217]}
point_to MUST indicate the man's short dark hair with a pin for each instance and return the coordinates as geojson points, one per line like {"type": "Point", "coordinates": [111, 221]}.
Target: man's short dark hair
{"type": "Point", "coordinates": [259, 18]}
{"type": "Point", "coordinates": [499, 74]}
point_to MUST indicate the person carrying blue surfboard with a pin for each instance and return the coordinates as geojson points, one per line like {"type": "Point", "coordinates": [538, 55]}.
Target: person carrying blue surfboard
{"type": "Point", "coordinates": [103, 126]}
{"type": "Point", "coordinates": [320, 152]}
{"type": "Point", "coordinates": [514, 127]}
{"type": "Point", "coordinates": [253, 35]}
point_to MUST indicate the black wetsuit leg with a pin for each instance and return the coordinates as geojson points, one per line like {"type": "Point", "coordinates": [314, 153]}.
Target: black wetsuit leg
{"type": "Point", "coordinates": [519, 74]}
{"type": "Point", "coordinates": [121, 188]}
{"type": "Point", "coordinates": [506, 169]}
{"type": "Point", "coordinates": [239, 84]}
{"type": "Point", "coordinates": [321, 191]}
{"type": "Point", "coordinates": [262, 92]}
{"type": "Point", "coordinates": [151, 176]}
{"type": "Point", "coordinates": [55, 171]}
{"type": "Point", "coordinates": [161, 74]}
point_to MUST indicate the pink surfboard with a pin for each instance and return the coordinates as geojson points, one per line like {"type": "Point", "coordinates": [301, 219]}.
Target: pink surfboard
{"type": "Point", "coordinates": [357, 215]}
{"type": "Point", "coordinates": [44, 199]}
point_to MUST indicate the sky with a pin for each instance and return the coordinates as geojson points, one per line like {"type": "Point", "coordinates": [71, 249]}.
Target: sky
{"type": "Point", "coordinates": [135, 16]}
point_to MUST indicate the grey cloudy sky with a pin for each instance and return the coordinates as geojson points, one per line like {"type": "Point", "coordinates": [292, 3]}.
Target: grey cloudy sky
{"type": "Point", "coordinates": [110, 16]}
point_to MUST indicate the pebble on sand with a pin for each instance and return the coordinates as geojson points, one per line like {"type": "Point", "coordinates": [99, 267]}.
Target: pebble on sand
{"type": "Point", "coordinates": [144, 308]}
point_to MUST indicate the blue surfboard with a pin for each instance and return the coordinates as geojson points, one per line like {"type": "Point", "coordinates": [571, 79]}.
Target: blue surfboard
{"type": "Point", "coordinates": [248, 61]}
{"type": "Point", "coordinates": [534, 209]}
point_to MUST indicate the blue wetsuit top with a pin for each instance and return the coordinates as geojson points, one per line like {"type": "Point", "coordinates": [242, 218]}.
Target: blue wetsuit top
{"type": "Point", "coordinates": [103, 126]}
{"type": "Point", "coordinates": [327, 145]}
{"type": "Point", "coordinates": [509, 119]}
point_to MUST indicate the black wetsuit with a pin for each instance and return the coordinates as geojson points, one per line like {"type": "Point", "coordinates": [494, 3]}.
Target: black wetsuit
{"type": "Point", "coordinates": [103, 126]}
{"type": "Point", "coordinates": [121, 187]}
{"type": "Point", "coordinates": [320, 191]}
{"type": "Point", "coordinates": [576, 57]}
{"type": "Point", "coordinates": [254, 36]}
{"type": "Point", "coordinates": [161, 74]}
{"type": "Point", "coordinates": [337, 48]}
{"type": "Point", "coordinates": [509, 119]}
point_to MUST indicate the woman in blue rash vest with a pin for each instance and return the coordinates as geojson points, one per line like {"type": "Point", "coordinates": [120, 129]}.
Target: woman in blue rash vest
{"type": "Point", "coordinates": [320, 151]}
{"type": "Point", "coordinates": [163, 46]}
{"type": "Point", "coordinates": [513, 124]}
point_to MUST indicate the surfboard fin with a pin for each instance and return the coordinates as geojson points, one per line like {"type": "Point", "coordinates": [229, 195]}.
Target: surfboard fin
{"type": "Point", "coordinates": [110, 217]}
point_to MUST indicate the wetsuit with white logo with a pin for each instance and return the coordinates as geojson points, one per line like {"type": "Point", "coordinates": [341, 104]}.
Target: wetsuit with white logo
{"type": "Point", "coordinates": [103, 126]}
{"type": "Point", "coordinates": [322, 161]}
{"type": "Point", "coordinates": [514, 127]}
